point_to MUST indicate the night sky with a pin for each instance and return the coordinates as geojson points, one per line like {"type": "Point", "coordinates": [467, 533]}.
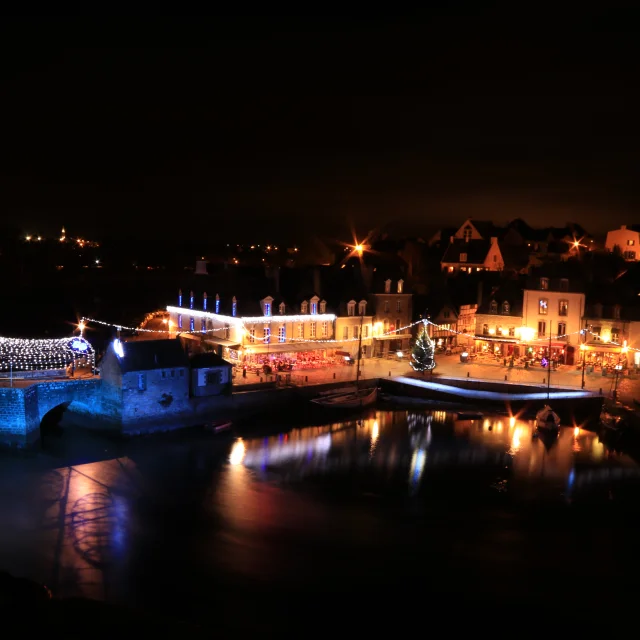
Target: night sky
{"type": "Point", "coordinates": [255, 127]}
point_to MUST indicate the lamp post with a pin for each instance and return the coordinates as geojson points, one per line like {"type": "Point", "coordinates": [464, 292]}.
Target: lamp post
{"type": "Point", "coordinates": [583, 349]}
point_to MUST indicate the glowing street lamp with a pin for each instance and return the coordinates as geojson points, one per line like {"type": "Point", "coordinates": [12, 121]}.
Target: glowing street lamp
{"type": "Point", "coordinates": [81, 326]}
{"type": "Point", "coordinates": [359, 249]}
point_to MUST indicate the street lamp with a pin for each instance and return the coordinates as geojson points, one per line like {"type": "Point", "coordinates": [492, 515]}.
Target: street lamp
{"type": "Point", "coordinates": [584, 361]}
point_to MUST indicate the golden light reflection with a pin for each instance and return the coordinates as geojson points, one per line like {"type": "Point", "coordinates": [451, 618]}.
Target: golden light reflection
{"type": "Point", "coordinates": [237, 452]}
{"type": "Point", "coordinates": [515, 440]}
{"type": "Point", "coordinates": [512, 421]}
{"type": "Point", "coordinates": [375, 432]}
{"type": "Point", "coordinates": [576, 432]}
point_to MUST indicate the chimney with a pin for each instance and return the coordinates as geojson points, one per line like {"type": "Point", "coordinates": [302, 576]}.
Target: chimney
{"type": "Point", "coordinates": [494, 240]}
{"type": "Point", "coordinates": [204, 300]}
{"type": "Point", "coordinates": [623, 227]}
{"type": "Point", "coordinates": [179, 297]}
{"type": "Point", "coordinates": [451, 239]}
{"type": "Point", "coordinates": [479, 300]}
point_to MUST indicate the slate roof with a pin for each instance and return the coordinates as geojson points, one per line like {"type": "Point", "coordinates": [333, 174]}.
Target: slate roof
{"type": "Point", "coordinates": [146, 355]}
{"type": "Point", "coordinates": [476, 251]}
{"type": "Point", "coordinates": [207, 360]}
{"type": "Point", "coordinates": [510, 292]}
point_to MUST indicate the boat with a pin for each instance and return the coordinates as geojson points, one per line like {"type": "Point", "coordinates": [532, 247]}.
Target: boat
{"type": "Point", "coordinates": [470, 415]}
{"type": "Point", "coordinates": [350, 400]}
{"type": "Point", "coordinates": [218, 426]}
{"type": "Point", "coordinates": [353, 397]}
{"type": "Point", "coordinates": [547, 419]}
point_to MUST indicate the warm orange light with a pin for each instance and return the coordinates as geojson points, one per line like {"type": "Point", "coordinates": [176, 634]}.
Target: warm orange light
{"type": "Point", "coordinates": [359, 249]}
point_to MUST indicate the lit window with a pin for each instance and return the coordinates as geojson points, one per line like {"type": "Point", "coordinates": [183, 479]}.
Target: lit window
{"type": "Point", "coordinates": [312, 327]}
{"type": "Point", "coordinates": [485, 329]}
{"type": "Point", "coordinates": [203, 325]}
{"type": "Point", "coordinates": [192, 324]}
{"type": "Point", "coordinates": [387, 286]}
{"type": "Point", "coordinates": [562, 329]}
{"type": "Point", "coordinates": [267, 309]}
{"type": "Point", "coordinates": [386, 306]}
{"type": "Point", "coordinates": [463, 257]}
{"type": "Point", "coordinates": [282, 333]}
{"type": "Point", "coordinates": [356, 332]}
{"type": "Point", "coordinates": [351, 308]}
{"type": "Point", "coordinates": [323, 307]}
{"type": "Point", "coordinates": [542, 328]}
{"type": "Point", "coordinates": [252, 335]}
{"type": "Point", "coordinates": [301, 330]}
{"type": "Point", "coordinates": [180, 321]}
{"type": "Point", "coordinates": [234, 307]}
{"type": "Point", "coordinates": [304, 307]}
{"type": "Point", "coordinates": [544, 283]}
{"type": "Point", "coordinates": [595, 331]}
{"type": "Point", "coordinates": [631, 242]}
{"type": "Point", "coordinates": [345, 332]}
{"type": "Point", "coordinates": [325, 329]}
{"type": "Point", "coordinates": [314, 308]}
{"type": "Point", "coordinates": [615, 334]}
{"type": "Point", "coordinates": [506, 308]}
{"type": "Point", "coordinates": [266, 335]}
{"type": "Point", "coordinates": [191, 301]}
{"type": "Point", "coordinates": [217, 304]}
{"type": "Point", "coordinates": [466, 233]}
{"type": "Point", "coordinates": [400, 285]}
{"type": "Point", "coordinates": [365, 331]}
{"type": "Point", "coordinates": [512, 331]}
{"type": "Point", "coordinates": [543, 306]}
{"type": "Point", "coordinates": [362, 307]}
{"type": "Point", "coordinates": [493, 307]}
{"type": "Point", "coordinates": [563, 307]}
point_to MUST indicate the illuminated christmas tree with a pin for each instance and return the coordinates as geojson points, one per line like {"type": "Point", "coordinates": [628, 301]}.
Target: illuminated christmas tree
{"type": "Point", "coordinates": [422, 355]}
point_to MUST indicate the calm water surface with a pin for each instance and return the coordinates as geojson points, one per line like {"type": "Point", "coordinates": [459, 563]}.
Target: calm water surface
{"type": "Point", "coordinates": [197, 525]}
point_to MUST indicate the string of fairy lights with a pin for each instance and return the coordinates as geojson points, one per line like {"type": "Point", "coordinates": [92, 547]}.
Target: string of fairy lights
{"type": "Point", "coordinates": [24, 354]}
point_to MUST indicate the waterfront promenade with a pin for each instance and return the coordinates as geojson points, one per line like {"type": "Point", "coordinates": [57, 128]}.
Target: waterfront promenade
{"type": "Point", "coordinates": [450, 366]}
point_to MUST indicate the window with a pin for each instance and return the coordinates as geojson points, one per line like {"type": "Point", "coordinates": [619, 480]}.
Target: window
{"type": "Point", "coordinates": [173, 373]}
{"type": "Point", "coordinates": [217, 304]}
{"type": "Point", "coordinates": [564, 284]}
{"type": "Point", "coordinates": [506, 308]}
{"type": "Point", "coordinates": [281, 308]}
{"type": "Point", "coordinates": [512, 332]}
{"type": "Point", "coordinates": [563, 307]}
{"type": "Point", "coordinates": [463, 257]}
{"type": "Point", "coordinates": [362, 307]}
{"type": "Point", "coordinates": [191, 301]}
{"type": "Point", "coordinates": [282, 333]}
{"type": "Point", "coordinates": [203, 325]}
{"type": "Point", "coordinates": [387, 286]}
{"type": "Point", "coordinates": [495, 258]}
{"type": "Point", "coordinates": [631, 242]}
{"type": "Point", "coordinates": [543, 306]}
{"type": "Point", "coordinates": [466, 234]}
{"type": "Point", "coordinates": [252, 335]}
{"type": "Point", "coordinates": [312, 328]}
{"type": "Point", "coordinates": [227, 331]}
{"type": "Point", "coordinates": [544, 283]}
{"type": "Point", "coordinates": [164, 374]}
{"type": "Point", "coordinates": [323, 307]}
{"type": "Point", "coordinates": [562, 329]}
{"type": "Point", "coordinates": [398, 306]}
{"type": "Point", "coordinates": [180, 321]}
{"type": "Point", "coordinates": [616, 312]}
{"type": "Point", "coordinates": [212, 377]}
{"type": "Point", "coordinates": [542, 328]}
{"type": "Point", "coordinates": [365, 331]}
{"type": "Point", "coordinates": [304, 307]}
{"type": "Point", "coordinates": [351, 308]}
{"type": "Point", "coordinates": [397, 324]}
{"type": "Point", "coordinates": [445, 314]}
{"type": "Point", "coordinates": [192, 324]}
{"type": "Point", "coordinates": [400, 286]}
{"type": "Point", "coordinates": [345, 333]}
{"type": "Point", "coordinates": [325, 329]}
{"type": "Point", "coordinates": [386, 306]}
{"type": "Point", "coordinates": [493, 307]}
{"type": "Point", "coordinates": [314, 308]}
{"type": "Point", "coordinates": [266, 334]}
{"type": "Point", "coordinates": [595, 332]}
{"type": "Point", "coordinates": [301, 330]}
{"type": "Point", "coordinates": [142, 381]}
{"type": "Point", "coordinates": [485, 329]}
{"type": "Point", "coordinates": [234, 307]}
{"type": "Point", "coordinates": [356, 332]}
{"type": "Point", "coordinates": [629, 255]}
{"type": "Point", "coordinates": [615, 334]}
{"type": "Point", "coordinates": [267, 309]}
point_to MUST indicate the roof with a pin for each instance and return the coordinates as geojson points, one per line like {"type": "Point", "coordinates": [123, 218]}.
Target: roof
{"type": "Point", "coordinates": [510, 292]}
{"type": "Point", "coordinates": [476, 251]}
{"type": "Point", "coordinates": [146, 355]}
{"type": "Point", "coordinates": [207, 360]}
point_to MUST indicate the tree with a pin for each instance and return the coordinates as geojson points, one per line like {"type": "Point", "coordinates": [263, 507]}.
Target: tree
{"type": "Point", "coordinates": [422, 355]}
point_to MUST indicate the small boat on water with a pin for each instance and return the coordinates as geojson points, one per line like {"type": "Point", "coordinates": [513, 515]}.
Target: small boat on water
{"type": "Point", "coordinates": [219, 426]}
{"type": "Point", "coordinates": [547, 419]}
{"type": "Point", "coordinates": [349, 400]}
{"type": "Point", "coordinates": [470, 415]}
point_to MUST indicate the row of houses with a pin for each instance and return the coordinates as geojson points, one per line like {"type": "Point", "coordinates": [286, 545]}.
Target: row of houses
{"type": "Point", "coordinates": [547, 315]}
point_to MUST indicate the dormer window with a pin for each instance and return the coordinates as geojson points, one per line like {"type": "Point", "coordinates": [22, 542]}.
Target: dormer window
{"type": "Point", "coordinates": [400, 286]}
{"type": "Point", "coordinates": [281, 308]}
{"type": "Point", "coordinates": [217, 303]}
{"type": "Point", "coordinates": [351, 308]}
{"type": "Point", "coordinates": [544, 284]}
{"type": "Point", "coordinates": [234, 307]}
{"type": "Point", "coordinates": [314, 305]}
{"type": "Point", "coordinates": [362, 307]}
{"type": "Point", "coordinates": [616, 312]}
{"type": "Point", "coordinates": [564, 284]}
{"type": "Point", "coordinates": [304, 307]}
{"type": "Point", "coordinates": [493, 307]}
{"type": "Point", "coordinates": [267, 306]}
{"type": "Point", "coordinates": [506, 308]}
{"type": "Point", "coordinates": [387, 286]}
{"type": "Point", "coordinates": [323, 306]}
{"type": "Point", "coordinates": [466, 233]}
{"type": "Point", "coordinates": [463, 257]}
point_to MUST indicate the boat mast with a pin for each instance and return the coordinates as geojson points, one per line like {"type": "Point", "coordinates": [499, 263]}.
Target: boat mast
{"type": "Point", "coordinates": [359, 352]}
{"type": "Point", "coordinates": [549, 365]}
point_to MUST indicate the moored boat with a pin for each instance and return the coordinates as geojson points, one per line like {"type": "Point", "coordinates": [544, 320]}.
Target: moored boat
{"type": "Point", "coordinates": [547, 419]}
{"type": "Point", "coordinates": [349, 400]}
{"type": "Point", "coordinates": [219, 426]}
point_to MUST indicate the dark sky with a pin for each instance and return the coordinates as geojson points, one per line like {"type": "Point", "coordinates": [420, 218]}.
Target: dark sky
{"type": "Point", "coordinates": [243, 127]}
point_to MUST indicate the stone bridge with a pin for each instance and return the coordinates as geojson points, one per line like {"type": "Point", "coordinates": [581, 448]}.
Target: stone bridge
{"type": "Point", "coordinates": [22, 409]}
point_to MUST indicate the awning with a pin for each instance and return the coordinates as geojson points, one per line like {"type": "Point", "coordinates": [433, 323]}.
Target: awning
{"type": "Point", "coordinates": [222, 342]}
{"type": "Point", "coordinates": [190, 336]}
{"type": "Point", "coordinates": [494, 339]}
{"type": "Point", "coordinates": [603, 346]}
{"type": "Point", "coordinates": [346, 354]}
{"type": "Point", "coordinates": [395, 336]}
{"type": "Point", "coordinates": [291, 347]}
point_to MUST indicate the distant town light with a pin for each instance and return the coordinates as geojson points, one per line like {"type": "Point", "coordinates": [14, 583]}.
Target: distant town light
{"type": "Point", "coordinates": [28, 238]}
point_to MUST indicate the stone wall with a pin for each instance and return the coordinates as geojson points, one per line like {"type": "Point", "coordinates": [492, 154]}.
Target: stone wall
{"type": "Point", "coordinates": [13, 430]}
